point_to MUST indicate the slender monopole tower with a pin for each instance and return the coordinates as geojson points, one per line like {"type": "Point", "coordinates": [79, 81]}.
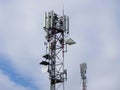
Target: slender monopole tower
{"type": "Point", "coordinates": [83, 68]}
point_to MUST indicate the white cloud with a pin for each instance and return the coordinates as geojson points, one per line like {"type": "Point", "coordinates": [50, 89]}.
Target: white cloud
{"type": "Point", "coordinates": [7, 84]}
{"type": "Point", "coordinates": [92, 26]}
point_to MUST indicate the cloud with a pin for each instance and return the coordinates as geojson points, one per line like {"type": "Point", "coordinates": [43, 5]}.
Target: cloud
{"type": "Point", "coordinates": [93, 26]}
{"type": "Point", "coordinates": [7, 84]}
{"type": "Point", "coordinates": [19, 36]}
{"type": "Point", "coordinates": [96, 33]}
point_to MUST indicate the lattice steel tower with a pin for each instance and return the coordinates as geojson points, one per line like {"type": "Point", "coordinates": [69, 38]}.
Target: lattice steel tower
{"type": "Point", "coordinates": [83, 68]}
{"type": "Point", "coordinates": [57, 30]}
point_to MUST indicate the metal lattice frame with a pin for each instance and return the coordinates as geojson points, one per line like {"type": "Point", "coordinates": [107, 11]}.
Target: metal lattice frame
{"type": "Point", "coordinates": [57, 28]}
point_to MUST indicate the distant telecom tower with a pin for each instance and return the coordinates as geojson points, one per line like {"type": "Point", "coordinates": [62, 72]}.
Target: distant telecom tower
{"type": "Point", "coordinates": [57, 30]}
{"type": "Point", "coordinates": [83, 68]}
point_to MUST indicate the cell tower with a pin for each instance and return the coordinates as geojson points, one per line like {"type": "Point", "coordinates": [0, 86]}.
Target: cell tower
{"type": "Point", "coordinates": [57, 30]}
{"type": "Point", "coordinates": [83, 68]}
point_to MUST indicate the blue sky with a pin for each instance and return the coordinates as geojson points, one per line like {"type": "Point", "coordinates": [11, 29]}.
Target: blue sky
{"type": "Point", "coordinates": [7, 69]}
{"type": "Point", "coordinates": [94, 25]}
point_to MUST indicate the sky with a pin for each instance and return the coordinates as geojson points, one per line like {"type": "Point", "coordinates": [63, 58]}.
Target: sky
{"type": "Point", "coordinates": [94, 25]}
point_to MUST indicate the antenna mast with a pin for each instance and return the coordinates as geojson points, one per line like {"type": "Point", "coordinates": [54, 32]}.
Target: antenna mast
{"type": "Point", "coordinates": [56, 28]}
{"type": "Point", "coordinates": [83, 68]}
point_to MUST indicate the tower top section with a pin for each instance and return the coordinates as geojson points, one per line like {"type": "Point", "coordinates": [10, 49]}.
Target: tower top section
{"type": "Point", "coordinates": [56, 22]}
{"type": "Point", "coordinates": [83, 68]}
